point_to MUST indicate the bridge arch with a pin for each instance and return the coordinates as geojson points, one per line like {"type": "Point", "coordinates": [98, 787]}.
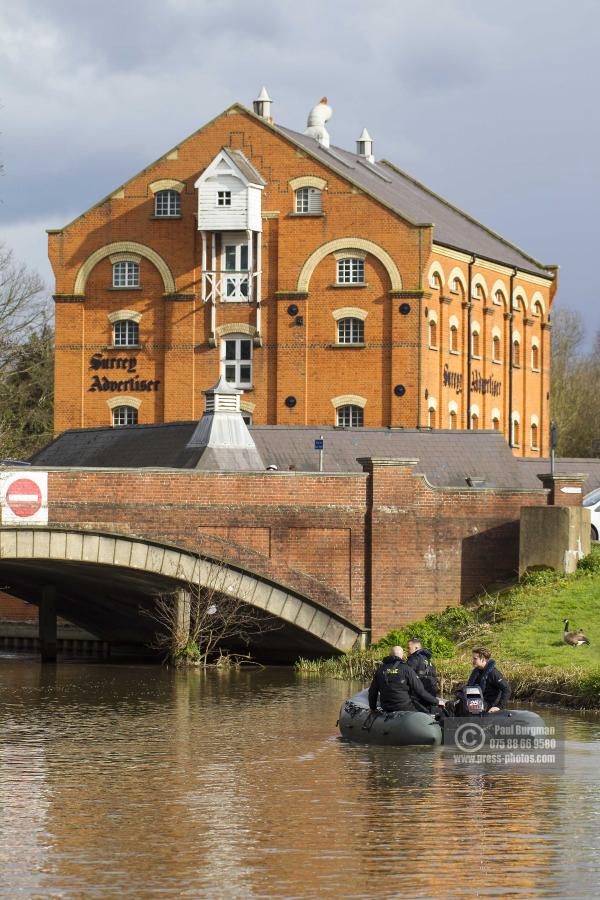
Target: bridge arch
{"type": "Point", "coordinates": [151, 563]}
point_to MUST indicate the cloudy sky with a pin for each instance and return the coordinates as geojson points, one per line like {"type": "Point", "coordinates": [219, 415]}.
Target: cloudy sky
{"type": "Point", "coordinates": [492, 104]}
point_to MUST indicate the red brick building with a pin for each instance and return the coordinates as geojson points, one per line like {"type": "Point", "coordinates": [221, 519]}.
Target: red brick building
{"type": "Point", "coordinates": [333, 289]}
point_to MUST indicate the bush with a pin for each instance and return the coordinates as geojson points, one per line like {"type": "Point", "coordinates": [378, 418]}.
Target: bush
{"type": "Point", "coordinates": [539, 577]}
{"type": "Point", "coordinates": [426, 631]}
{"type": "Point", "coordinates": [590, 563]}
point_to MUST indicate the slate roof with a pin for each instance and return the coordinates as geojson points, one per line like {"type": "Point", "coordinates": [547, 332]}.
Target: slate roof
{"type": "Point", "coordinates": [245, 166]}
{"type": "Point", "coordinates": [416, 203]}
{"type": "Point", "coordinates": [569, 466]}
{"type": "Point", "coordinates": [447, 458]}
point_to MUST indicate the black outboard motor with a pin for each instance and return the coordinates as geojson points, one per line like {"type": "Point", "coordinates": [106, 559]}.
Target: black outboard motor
{"type": "Point", "coordinates": [470, 701]}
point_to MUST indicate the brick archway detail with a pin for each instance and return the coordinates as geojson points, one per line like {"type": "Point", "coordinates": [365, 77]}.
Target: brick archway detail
{"type": "Point", "coordinates": [124, 247]}
{"type": "Point", "coordinates": [171, 562]}
{"type": "Point", "coordinates": [349, 243]}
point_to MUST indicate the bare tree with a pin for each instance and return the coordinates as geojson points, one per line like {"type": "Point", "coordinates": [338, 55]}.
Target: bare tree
{"type": "Point", "coordinates": [199, 624]}
{"type": "Point", "coordinates": [575, 392]}
{"type": "Point", "coordinates": [23, 304]}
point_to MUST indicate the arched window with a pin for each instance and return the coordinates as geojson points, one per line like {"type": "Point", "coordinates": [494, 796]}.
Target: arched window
{"type": "Point", "coordinates": [535, 357]}
{"type": "Point", "coordinates": [453, 339]}
{"type": "Point", "coordinates": [350, 416]}
{"type": "Point", "coordinates": [126, 274]}
{"type": "Point", "coordinates": [495, 422]}
{"type": "Point", "coordinates": [126, 333]}
{"type": "Point", "coordinates": [236, 360]}
{"type": "Point", "coordinates": [516, 431]}
{"type": "Point", "coordinates": [534, 435]}
{"type": "Point", "coordinates": [309, 200]}
{"type": "Point", "coordinates": [456, 287]}
{"type": "Point", "coordinates": [432, 334]}
{"type": "Point", "coordinates": [474, 422]}
{"type": "Point", "coordinates": [496, 351]}
{"type": "Point", "coordinates": [516, 352]}
{"type": "Point", "coordinates": [431, 414]}
{"type": "Point", "coordinates": [167, 204]}
{"type": "Point", "coordinates": [124, 415]}
{"type": "Point", "coordinates": [435, 282]}
{"type": "Point", "coordinates": [475, 342]}
{"type": "Point", "coordinates": [351, 331]}
{"type": "Point", "coordinates": [499, 298]}
{"type": "Point", "coordinates": [452, 420]}
{"type": "Point", "coordinates": [350, 270]}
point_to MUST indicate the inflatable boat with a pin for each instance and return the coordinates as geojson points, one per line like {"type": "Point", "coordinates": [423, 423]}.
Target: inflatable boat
{"type": "Point", "coordinates": [403, 729]}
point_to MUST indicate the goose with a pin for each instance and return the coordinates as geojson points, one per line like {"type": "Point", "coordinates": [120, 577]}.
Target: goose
{"type": "Point", "coordinates": [574, 638]}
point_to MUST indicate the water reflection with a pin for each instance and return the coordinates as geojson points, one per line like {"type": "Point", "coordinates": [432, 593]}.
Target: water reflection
{"type": "Point", "coordinates": [136, 781]}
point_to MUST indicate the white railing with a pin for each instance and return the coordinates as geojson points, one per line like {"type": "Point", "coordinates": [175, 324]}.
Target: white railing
{"type": "Point", "coordinates": [224, 287]}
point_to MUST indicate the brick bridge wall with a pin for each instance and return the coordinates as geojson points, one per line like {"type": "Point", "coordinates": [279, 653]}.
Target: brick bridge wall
{"type": "Point", "coordinates": [382, 548]}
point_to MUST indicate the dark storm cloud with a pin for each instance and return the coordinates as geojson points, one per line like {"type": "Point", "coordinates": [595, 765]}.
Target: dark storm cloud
{"type": "Point", "coordinates": [491, 105]}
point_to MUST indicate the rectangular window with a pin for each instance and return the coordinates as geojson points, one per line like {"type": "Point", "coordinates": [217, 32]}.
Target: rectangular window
{"type": "Point", "coordinates": [236, 281]}
{"type": "Point", "coordinates": [351, 331]}
{"type": "Point", "coordinates": [223, 198]}
{"type": "Point", "coordinates": [308, 200]}
{"type": "Point", "coordinates": [123, 416]}
{"type": "Point", "coordinates": [125, 333]}
{"type": "Point", "coordinates": [236, 355]}
{"type": "Point", "coordinates": [167, 203]}
{"type": "Point", "coordinates": [351, 271]}
{"type": "Point", "coordinates": [126, 274]}
{"type": "Point", "coordinates": [350, 416]}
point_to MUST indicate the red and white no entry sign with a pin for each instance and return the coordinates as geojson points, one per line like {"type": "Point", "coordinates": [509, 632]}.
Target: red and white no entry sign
{"type": "Point", "coordinates": [24, 497]}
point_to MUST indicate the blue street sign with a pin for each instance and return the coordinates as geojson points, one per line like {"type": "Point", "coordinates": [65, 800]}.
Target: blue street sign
{"type": "Point", "coordinates": [319, 443]}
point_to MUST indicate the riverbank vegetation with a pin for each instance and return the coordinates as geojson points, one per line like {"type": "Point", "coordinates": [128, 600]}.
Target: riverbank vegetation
{"type": "Point", "coordinates": [523, 626]}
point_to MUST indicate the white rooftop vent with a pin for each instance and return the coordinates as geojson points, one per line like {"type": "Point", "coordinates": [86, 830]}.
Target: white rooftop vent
{"type": "Point", "coordinates": [262, 105]}
{"type": "Point", "coordinates": [364, 146]}
{"type": "Point", "coordinates": [317, 117]}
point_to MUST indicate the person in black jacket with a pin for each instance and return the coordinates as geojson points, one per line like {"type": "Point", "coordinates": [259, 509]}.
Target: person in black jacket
{"type": "Point", "coordinates": [419, 659]}
{"type": "Point", "coordinates": [494, 686]}
{"type": "Point", "coordinates": [398, 687]}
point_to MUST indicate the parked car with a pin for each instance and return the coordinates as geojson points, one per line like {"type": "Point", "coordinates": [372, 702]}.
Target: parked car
{"type": "Point", "coordinates": [592, 501]}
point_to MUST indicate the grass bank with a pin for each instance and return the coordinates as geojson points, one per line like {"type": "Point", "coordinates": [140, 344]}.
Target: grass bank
{"type": "Point", "coordinates": [523, 627]}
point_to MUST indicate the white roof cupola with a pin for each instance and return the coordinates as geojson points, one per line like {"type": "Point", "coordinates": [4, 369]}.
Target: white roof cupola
{"type": "Point", "coordinates": [315, 126]}
{"type": "Point", "coordinates": [364, 146]}
{"type": "Point", "coordinates": [262, 105]}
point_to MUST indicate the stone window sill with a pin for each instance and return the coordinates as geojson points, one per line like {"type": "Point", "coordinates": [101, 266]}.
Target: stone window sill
{"type": "Point", "coordinates": [535, 370]}
{"type": "Point", "coordinates": [125, 288]}
{"type": "Point", "coordinates": [162, 218]}
{"type": "Point", "coordinates": [497, 362]}
{"type": "Point", "coordinates": [433, 347]}
{"type": "Point", "coordinates": [454, 352]}
{"type": "Point", "coordinates": [348, 346]}
{"type": "Point", "coordinates": [351, 284]}
{"type": "Point", "coordinates": [123, 347]}
{"type": "Point", "coordinates": [478, 357]}
{"type": "Point", "coordinates": [306, 215]}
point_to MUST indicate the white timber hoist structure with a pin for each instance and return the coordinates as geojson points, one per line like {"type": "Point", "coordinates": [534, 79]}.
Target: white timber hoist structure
{"type": "Point", "coordinates": [229, 220]}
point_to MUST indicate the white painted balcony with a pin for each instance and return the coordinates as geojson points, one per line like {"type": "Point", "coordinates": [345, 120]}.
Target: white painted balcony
{"type": "Point", "coordinates": [229, 287]}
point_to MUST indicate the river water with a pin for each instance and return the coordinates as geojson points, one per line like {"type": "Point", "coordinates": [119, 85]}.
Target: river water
{"type": "Point", "coordinates": [136, 781]}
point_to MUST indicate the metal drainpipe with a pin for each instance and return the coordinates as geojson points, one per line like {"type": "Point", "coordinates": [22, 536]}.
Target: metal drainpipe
{"type": "Point", "coordinates": [469, 312]}
{"type": "Point", "coordinates": [419, 331]}
{"type": "Point", "coordinates": [510, 358]}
